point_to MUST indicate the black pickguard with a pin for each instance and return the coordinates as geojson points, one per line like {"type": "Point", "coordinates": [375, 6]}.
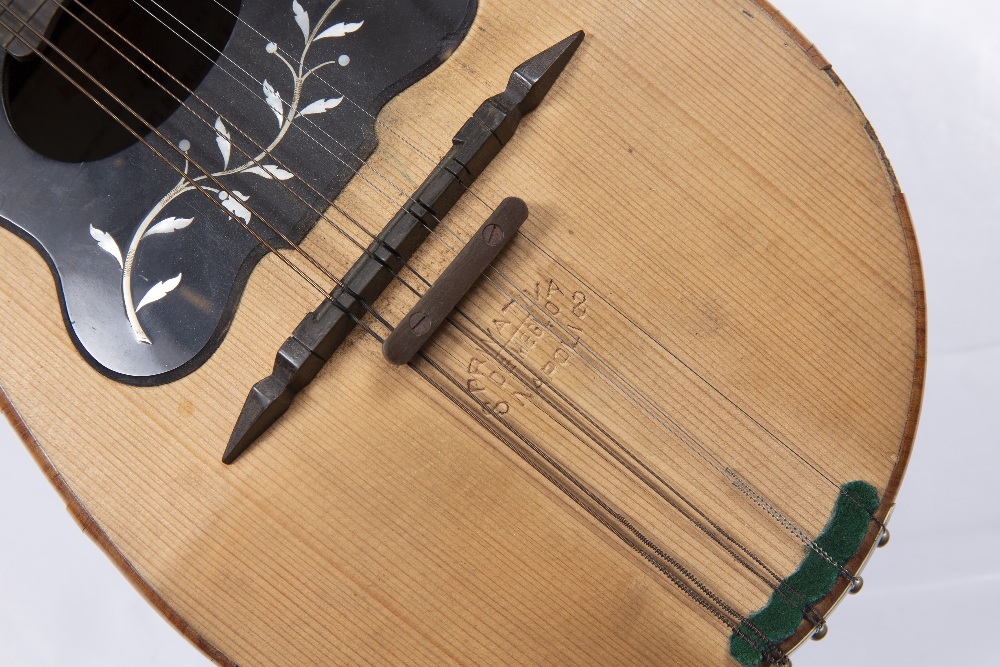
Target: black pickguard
{"type": "Point", "coordinates": [54, 204]}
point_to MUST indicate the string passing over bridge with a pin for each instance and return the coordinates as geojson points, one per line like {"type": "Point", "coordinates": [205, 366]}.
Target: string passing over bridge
{"type": "Point", "coordinates": [319, 335]}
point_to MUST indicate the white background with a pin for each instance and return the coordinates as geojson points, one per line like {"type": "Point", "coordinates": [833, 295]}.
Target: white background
{"type": "Point", "coordinates": [927, 73]}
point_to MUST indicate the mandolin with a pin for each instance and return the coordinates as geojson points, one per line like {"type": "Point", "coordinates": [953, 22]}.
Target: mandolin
{"type": "Point", "coordinates": [458, 331]}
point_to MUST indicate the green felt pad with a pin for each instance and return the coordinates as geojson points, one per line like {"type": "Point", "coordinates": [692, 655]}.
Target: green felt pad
{"type": "Point", "coordinates": [814, 579]}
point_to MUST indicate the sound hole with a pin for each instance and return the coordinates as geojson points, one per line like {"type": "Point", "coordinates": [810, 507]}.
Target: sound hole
{"type": "Point", "coordinates": [59, 121]}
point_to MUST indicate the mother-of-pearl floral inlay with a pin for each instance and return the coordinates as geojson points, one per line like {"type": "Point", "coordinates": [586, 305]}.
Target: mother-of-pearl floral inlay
{"type": "Point", "coordinates": [232, 200]}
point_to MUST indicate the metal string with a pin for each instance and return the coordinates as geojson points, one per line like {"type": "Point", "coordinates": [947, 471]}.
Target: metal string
{"type": "Point", "coordinates": [702, 378]}
{"type": "Point", "coordinates": [713, 604]}
{"type": "Point", "coordinates": [539, 379]}
{"type": "Point", "coordinates": [183, 172]}
{"type": "Point", "coordinates": [621, 459]}
{"type": "Point", "coordinates": [258, 216]}
{"type": "Point", "coordinates": [659, 552]}
{"type": "Point", "coordinates": [660, 492]}
{"type": "Point", "coordinates": [603, 446]}
{"type": "Point", "coordinates": [286, 61]}
{"type": "Point", "coordinates": [554, 470]}
{"type": "Point", "coordinates": [322, 213]}
{"type": "Point", "coordinates": [737, 482]}
{"type": "Point", "coordinates": [767, 431]}
{"type": "Point", "coordinates": [430, 160]}
{"type": "Point", "coordinates": [192, 181]}
{"type": "Point", "coordinates": [713, 524]}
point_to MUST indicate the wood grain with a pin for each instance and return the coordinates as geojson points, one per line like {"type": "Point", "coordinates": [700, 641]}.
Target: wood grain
{"type": "Point", "coordinates": [703, 178]}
